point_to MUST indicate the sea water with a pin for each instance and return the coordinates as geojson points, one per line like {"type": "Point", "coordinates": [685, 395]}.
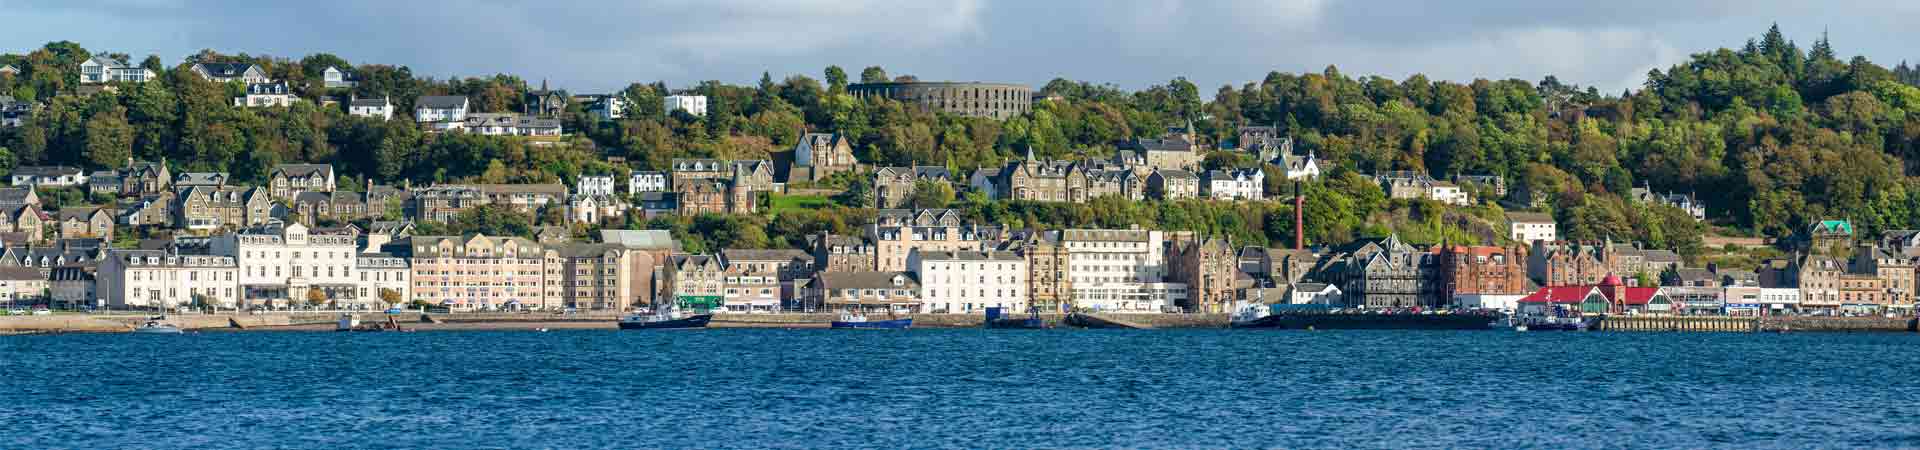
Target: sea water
{"type": "Point", "coordinates": [963, 388]}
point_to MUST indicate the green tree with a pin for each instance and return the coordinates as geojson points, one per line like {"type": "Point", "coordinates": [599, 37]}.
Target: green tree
{"type": "Point", "coordinates": [931, 194]}
{"type": "Point", "coordinates": [874, 74]}
{"type": "Point", "coordinates": [108, 139]}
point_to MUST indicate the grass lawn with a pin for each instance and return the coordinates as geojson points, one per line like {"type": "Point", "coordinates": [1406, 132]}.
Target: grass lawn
{"type": "Point", "coordinates": [791, 202]}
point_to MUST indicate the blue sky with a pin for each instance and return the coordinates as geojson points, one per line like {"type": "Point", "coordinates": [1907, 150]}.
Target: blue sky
{"type": "Point", "coordinates": [599, 46]}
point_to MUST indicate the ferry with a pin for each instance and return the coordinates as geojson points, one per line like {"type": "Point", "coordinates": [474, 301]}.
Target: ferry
{"type": "Point", "coordinates": [1328, 317]}
{"type": "Point", "coordinates": [997, 318]}
{"type": "Point", "coordinates": [859, 321]}
{"type": "Point", "coordinates": [664, 319]}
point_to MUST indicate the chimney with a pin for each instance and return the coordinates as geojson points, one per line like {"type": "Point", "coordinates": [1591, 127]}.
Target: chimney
{"type": "Point", "coordinates": [1299, 221]}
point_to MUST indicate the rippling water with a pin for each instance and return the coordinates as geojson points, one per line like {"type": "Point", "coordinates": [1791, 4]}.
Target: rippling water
{"type": "Point", "coordinates": [959, 389]}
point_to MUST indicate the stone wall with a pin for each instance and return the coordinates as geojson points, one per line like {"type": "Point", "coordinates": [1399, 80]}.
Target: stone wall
{"type": "Point", "coordinates": [1778, 323]}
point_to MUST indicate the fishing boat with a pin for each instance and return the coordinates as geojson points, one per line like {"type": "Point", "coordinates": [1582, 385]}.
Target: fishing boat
{"type": "Point", "coordinates": [859, 321]}
{"type": "Point", "coordinates": [155, 326]}
{"type": "Point", "coordinates": [1250, 316]}
{"type": "Point", "coordinates": [664, 319]}
{"type": "Point", "coordinates": [997, 318]}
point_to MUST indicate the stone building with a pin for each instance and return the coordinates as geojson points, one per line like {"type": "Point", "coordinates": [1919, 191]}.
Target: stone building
{"type": "Point", "coordinates": [1172, 184]}
{"type": "Point", "coordinates": [819, 155]}
{"type": "Point", "coordinates": [696, 282]}
{"type": "Point", "coordinates": [208, 208]}
{"type": "Point", "coordinates": [1178, 149]}
{"type": "Point", "coordinates": [1483, 276]}
{"type": "Point", "coordinates": [1048, 286]}
{"type": "Point", "coordinates": [1388, 273]}
{"type": "Point", "coordinates": [893, 187]}
{"type": "Point", "coordinates": [1208, 268]}
{"type": "Point", "coordinates": [897, 235]}
{"type": "Point", "coordinates": [996, 101]}
{"type": "Point", "coordinates": [287, 180]}
{"type": "Point", "coordinates": [714, 196]}
{"type": "Point", "coordinates": [840, 253]}
{"type": "Point", "coordinates": [751, 270]}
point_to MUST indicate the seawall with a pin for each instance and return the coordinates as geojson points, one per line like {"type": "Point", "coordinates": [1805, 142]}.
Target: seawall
{"type": "Point", "coordinates": [1757, 324]}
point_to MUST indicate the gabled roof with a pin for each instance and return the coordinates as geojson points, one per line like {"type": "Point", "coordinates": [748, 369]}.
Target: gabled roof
{"type": "Point", "coordinates": [224, 70]}
{"type": "Point", "coordinates": [200, 179]}
{"type": "Point", "coordinates": [441, 102]}
{"type": "Point", "coordinates": [302, 170]}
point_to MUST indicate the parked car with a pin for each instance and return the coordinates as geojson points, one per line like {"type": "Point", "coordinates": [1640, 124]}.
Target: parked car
{"type": "Point", "coordinates": [43, 312]}
{"type": "Point", "coordinates": [16, 312]}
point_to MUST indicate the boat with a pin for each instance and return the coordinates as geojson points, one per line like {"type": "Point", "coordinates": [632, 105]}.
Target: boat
{"type": "Point", "coordinates": [155, 326]}
{"type": "Point", "coordinates": [664, 319]}
{"type": "Point", "coordinates": [1328, 317]}
{"type": "Point", "coordinates": [858, 321]}
{"type": "Point", "coordinates": [997, 318]}
{"type": "Point", "coordinates": [348, 322]}
{"type": "Point", "coordinates": [1250, 316]}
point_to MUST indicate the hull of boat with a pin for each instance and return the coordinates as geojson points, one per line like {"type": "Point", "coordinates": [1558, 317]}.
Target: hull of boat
{"type": "Point", "coordinates": [895, 324]}
{"type": "Point", "coordinates": [157, 331]}
{"type": "Point", "coordinates": [1018, 324]}
{"type": "Point", "coordinates": [699, 321]}
{"type": "Point", "coordinates": [1371, 322]}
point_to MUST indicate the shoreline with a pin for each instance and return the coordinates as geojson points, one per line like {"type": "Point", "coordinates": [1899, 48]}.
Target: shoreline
{"type": "Point", "coordinates": [226, 323]}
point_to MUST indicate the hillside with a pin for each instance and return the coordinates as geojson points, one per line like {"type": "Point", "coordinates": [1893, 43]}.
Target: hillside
{"type": "Point", "coordinates": [1769, 135]}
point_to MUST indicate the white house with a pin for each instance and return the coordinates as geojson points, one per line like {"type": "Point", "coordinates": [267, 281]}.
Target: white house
{"type": "Point", "coordinates": [693, 104]}
{"type": "Point", "coordinates": [606, 107]}
{"type": "Point", "coordinates": [969, 282]}
{"type": "Point", "coordinates": [383, 272]}
{"type": "Point", "coordinates": [333, 78]}
{"type": "Point", "coordinates": [101, 69]}
{"type": "Point", "coordinates": [441, 112]}
{"type": "Point", "coordinates": [266, 94]}
{"type": "Point", "coordinates": [371, 107]}
{"type": "Point", "coordinates": [280, 264]}
{"type": "Point", "coordinates": [595, 185]}
{"type": "Point", "coordinates": [23, 286]}
{"type": "Point", "coordinates": [1313, 294]}
{"type": "Point", "coordinates": [510, 124]}
{"type": "Point", "coordinates": [225, 72]}
{"type": "Point", "coordinates": [1530, 227]}
{"type": "Point", "coordinates": [1301, 167]}
{"type": "Point", "coordinates": [1448, 193]}
{"type": "Point", "coordinates": [646, 182]}
{"type": "Point", "coordinates": [1236, 184]}
{"type": "Point", "coordinates": [55, 176]}
{"type": "Point", "coordinates": [157, 279]}
{"type": "Point", "coordinates": [593, 209]}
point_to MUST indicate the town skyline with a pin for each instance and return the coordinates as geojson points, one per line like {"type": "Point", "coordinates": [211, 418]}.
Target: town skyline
{"type": "Point", "coordinates": [1131, 45]}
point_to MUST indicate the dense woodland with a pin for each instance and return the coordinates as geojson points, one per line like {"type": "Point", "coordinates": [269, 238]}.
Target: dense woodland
{"type": "Point", "coordinates": [1770, 136]}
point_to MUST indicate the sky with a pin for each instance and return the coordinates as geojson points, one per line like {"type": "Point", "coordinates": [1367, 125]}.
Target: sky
{"type": "Point", "coordinates": [600, 46]}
